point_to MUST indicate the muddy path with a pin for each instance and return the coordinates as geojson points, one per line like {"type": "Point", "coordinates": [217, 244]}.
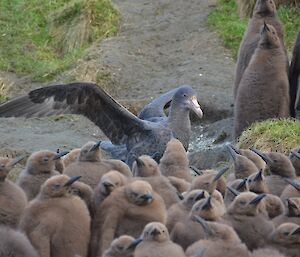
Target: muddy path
{"type": "Point", "coordinates": [160, 45]}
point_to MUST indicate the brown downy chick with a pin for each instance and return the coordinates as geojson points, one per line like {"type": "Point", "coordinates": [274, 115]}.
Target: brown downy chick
{"type": "Point", "coordinates": [266, 252]}
{"type": "Point", "coordinates": [256, 159]}
{"type": "Point", "coordinates": [126, 211]}
{"type": "Point", "coordinates": [258, 98]}
{"type": "Point", "coordinates": [175, 161]}
{"type": "Point", "coordinates": [292, 213]}
{"type": "Point", "coordinates": [83, 191]}
{"type": "Point", "coordinates": [211, 180]}
{"type": "Point", "coordinates": [108, 183]}
{"type": "Point", "coordinates": [294, 156]}
{"type": "Point", "coordinates": [57, 222]}
{"type": "Point", "coordinates": [122, 246]}
{"type": "Point", "coordinates": [273, 205]}
{"type": "Point", "coordinates": [15, 244]}
{"type": "Point", "coordinates": [243, 167]}
{"type": "Point", "coordinates": [145, 166]}
{"type": "Point", "coordinates": [220, 240]}
{"type": "Point", "coordinates": [179, 211]}
{"type": "Point", "coordinates": [90, 166]}
{"type": "Point", "coordinates": [264, 11]}
{"type": "Point", "coordinates": [292, 189]}
{"type": "Point", "coordinates": [187, 231]}
{"type": "Point", "coordinates": [163, 187]}
{"type": "Point", "coordinates": [59, 164]}
{"type": "Point", "coordinates": [71, 157]}
{"type": "Point", "coordinates": [118, 165]}
{"type": "Point", "coordinates": [249, 219]}
{"type": "Point", "coordinates": [257, 183]}
{"type": "Point", "coordinates": [239, 185]}
{"type": "Point", "coordinates": [39, 167]}
{"type": "Point", "coordinates": [156, 243]}
{"type": "Point", "coordinates": [280, 167]}
{"type": "Point", "coordinates": [286, 239]}
{"type": "Point", "coordinates": [12, 198]}
{"type": "Point", "coordinates": [180, 184]}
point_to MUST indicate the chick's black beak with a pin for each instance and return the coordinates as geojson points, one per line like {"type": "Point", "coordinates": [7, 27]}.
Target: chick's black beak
{"type": "Point", "coordinates": [155, 232]}
{"type": "Point", "coordinates": [195, 107]}
{"type": "Point", "coordinates": [147, 197]}
{"type": "Point", "coordinates": [134, 243]}
{"type": "Point", "coordinates": [220, 174]}
{"type": "Point", "coordinates": [295, 154]}
{"type": "Point", "coordinates": [296, 231]}
{"type": "Point", "coordinates": [139, 162]}
{"type": "Point", "coordinates": [95, 146]}
{"type": "Point", "coordinates": [59, 155]}
{"type": "Point", "coordinates": [258, 176]}
{"type": "Point", "coordinates": [293, 183]}
{"type": "Point", "coordinates": [71, 181]}
{"type": "Point", "coordinates": [265, 157]}
{"type": "Point", "coordinates": [257, 199]}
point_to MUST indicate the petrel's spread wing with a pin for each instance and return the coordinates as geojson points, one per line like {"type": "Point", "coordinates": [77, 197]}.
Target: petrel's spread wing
{"type": "Point", "coordinates": [156, 107]}
{"type": "Point", "coordinates": [77, 98]}
{"type": "Point", "coordinates": [294, 76]}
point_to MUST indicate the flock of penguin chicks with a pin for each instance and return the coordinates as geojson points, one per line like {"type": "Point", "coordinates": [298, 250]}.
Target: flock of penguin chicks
{"type": "Point", "coordinates": [78, 204]}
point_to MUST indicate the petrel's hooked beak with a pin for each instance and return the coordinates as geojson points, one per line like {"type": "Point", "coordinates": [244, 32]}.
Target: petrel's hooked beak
{"type": "Point", "coordinates": [194, 105]}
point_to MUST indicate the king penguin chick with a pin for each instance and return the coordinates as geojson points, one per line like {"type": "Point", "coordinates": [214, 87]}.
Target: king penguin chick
{"type": "Point", "coordinates": [83, 191]}
{"type": "Point", "coordinates": [156, 243]}
{"type": "Point", "coordinates": [122, 246]}
{"type": "Point", "coordinates": [163, 187]}
{"type": "Point", "coordinates": [243, 167]}
{"type": "Point", "coordinates": [210, 180]}
{"type": "Point", "coordinates": [266, 252]}
{"type": "Point", "coordinates": [286, 239]}
{"type": "Point", "coordinates": [238, 186]}
{"type": "Point", "coordinates": [180, 184]}
{"type": "Point", "coordinates": [255, 158]}
{"type": "Point", "coordinates": [175, 161]}
{"type": "Point", "coordinates": [264, 11]}
{"type": "Point", "coordinates": [280, 167]}
{"type": "Point", "coordinates": [274, 205]}
{"type": "Point", "coordinates": [179, 211]}
{"type": "Point", "coordinates": [57, 223]}
{"type": "Point", "coordinates": [220, 240]}
{"type": "Point", "coordinates": [71, 157]}
{"type": "Point", "coordinates": [39, 167]}
{"type": "Point", "coordinates": [257, 183]}
{"type": "Point", "coordinates": [12, 198]}
{"type": "Point", "coordinates": [125, 212]}
{"type": "Point", "coordinates": [292, 189]}
{"type": "Point", "coordinates": [258, 98]}
{"type": "Point", "coordinates": [249, 220]}
{"type": "Point", "coordinates": [89, 165]}
{"type": "Point", "coordinates": [108, 183]}
{"type": "Point", "coordinates": [145, 166]}
{"type": "Point", "coordinates": [15, 244]}
{"type": "Point", "coordinates": [187, 231]}
{"type": "Point", "coordinates": [292, 213]}
{"type": "Point", "coordinates": [294, 156]}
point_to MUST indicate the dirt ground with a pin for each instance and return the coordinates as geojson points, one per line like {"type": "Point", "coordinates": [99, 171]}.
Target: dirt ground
{"type": "Point", "coordinates": [160, 45]}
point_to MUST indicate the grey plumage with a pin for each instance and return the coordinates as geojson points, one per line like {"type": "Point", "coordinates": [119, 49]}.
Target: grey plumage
{"type": "Point", "coordinates": [119, 125]}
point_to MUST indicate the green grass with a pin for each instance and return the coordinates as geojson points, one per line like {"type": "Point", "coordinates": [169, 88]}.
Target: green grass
{"type": "Point", "coordinates": [272, 135]}
{"type": "Point", "coordinates": [34, 34]}
{"type": "Point", "coordinates": [226, 21]}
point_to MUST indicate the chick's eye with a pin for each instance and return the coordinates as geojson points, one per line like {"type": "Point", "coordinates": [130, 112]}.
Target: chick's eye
{"type": "Point", "coordinates": [57, 186]}
{"type": "Point", "coordinates": [243, 202]}
{"type": "Point", "coordinates": [286, 233]}
{"type": "Point", "coordinates": [185, 95]}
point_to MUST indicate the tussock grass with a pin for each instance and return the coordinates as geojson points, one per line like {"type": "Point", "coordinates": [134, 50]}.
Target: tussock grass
{"type": "Point", "coordinates": [43, 38]}
{"type": "Point", "coordinates": [226, 21]}
{"type": "Point", "coordinates": [272, 135]}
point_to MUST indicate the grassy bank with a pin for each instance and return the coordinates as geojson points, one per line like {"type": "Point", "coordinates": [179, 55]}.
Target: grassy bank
{"type": "Point", "coordinates": [43, 38]}
{"type": "Point", "coordinates": [272, 135]}
{"type": "Point", "coordinates": [226, 21]}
